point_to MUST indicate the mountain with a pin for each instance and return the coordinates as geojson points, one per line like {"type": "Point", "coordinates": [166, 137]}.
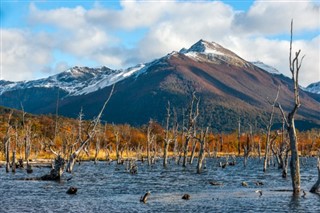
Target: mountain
{"type": "Point", "coordinates": [228, 86]}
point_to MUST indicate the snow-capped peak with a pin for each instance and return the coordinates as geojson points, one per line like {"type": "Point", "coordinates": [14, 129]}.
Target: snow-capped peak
{"type": "Point", "coordinates": [204, 47]}
{"type": "Point", "coordinates": [266, 67]}
{"type": "Point", "coordinates": [214, 53]}
{"type": "Point", "coordinates": [313, 88]}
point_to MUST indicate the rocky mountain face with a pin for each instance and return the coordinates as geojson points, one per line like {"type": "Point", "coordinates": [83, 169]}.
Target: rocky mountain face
{"type": "Point", "coordinates": [228, 86]}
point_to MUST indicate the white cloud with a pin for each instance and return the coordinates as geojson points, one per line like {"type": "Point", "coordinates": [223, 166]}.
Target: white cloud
{"type": "Point", "coordinates": [92, 34]}
{"type": "Point", "coordinates": [272, 17]}
{"type": "Point", "coordinates": [23, 53]}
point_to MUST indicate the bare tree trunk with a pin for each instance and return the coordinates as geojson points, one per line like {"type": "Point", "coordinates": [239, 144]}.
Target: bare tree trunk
{"type": "Point", "coordinates": [191, 126]}
{"type": "Point", "coordinates": [150, 138]}
{"type": "Point", "coordinates": [193, 150]}
{"type": "Point", "coordinates": [267, 148]}
{"type": "Point", "coordinates": [202, 153]}
{"type": "Point", "coordinates": [13, 161]}
{"type": "Point", "coordinates": [246, 151]}
{"type": "Point", "coordinates": [166, 140]}
{"type": "Point", "coordinates": [315, 188]}
{"type": "Point", "coordinates": [294, 163]}
{"type": "Point", "coordinates": [97, 150]}
{"type": "Point", "coordinates": [7, 151]}
{"type": "Point", "coordinates": [239, 134]}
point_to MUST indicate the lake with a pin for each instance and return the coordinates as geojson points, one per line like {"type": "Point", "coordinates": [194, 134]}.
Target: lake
{"type": "Point", "coordinates": [108, 187]}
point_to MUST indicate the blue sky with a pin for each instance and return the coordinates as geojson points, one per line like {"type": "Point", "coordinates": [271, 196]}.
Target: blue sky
{"type": "Point", "coordinates": [44, 37]}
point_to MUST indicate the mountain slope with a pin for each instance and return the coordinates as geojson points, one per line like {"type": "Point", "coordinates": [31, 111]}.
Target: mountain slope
{"type": "Point", "coordinates": [229, 87]}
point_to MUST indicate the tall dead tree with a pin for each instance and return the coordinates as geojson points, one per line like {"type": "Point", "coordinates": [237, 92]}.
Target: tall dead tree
{"type": "Point", "coordinates": [295, 65]}
{"type": "Point", "coordinates": [193, 115]}
{"type": "Point", "coordinates": [90, 134]}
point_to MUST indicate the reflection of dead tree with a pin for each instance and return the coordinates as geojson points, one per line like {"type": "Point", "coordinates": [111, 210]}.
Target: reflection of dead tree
{"type": "Point", "coordinates": [193, 115]}
{"type": "Point", "coordinates": [90, 134]}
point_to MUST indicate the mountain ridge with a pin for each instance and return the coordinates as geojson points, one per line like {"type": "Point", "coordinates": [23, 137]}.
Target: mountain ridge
{"type": "Point", "coordinates": [229, 87]}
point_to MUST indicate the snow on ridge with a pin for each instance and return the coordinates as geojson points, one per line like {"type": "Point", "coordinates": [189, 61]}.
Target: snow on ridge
{"type": "Point", "coordinates": [266, 67]}
{"type": "Point", "coordinates": [313, 88]}
{"type": "Point", "coordinates": [109, 80]}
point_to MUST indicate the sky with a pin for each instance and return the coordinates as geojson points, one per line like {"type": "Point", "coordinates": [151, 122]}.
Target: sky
{"type": "Point", "coordinates": [44, 37]}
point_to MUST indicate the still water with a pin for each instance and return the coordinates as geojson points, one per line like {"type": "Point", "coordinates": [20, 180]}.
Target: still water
{"type": "Point", "coordinates": [107, 187]}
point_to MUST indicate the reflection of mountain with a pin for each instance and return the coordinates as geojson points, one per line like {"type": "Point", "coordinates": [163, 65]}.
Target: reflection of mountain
{"type": "Point", "coordinates": [227, 85]}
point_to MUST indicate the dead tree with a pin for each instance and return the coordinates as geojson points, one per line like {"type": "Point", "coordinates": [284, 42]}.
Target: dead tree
{"type": "Point", "coordinates": [193, 115]}
{"type": "Point", "coordinates": [116, 133]}
{"type": "Point", "coordinates": [150, 139]}
{"type": "Point", "coordinates": [246, 150]}
{"type": "Point", "coordinates": [167, 140]}
{"type": "Point", "coordinates": [269, 126]}
{"type": "Point", "coordinates": [202, 141]}
{"type": "Point", "coordinates": [239, 134]}
{"type": "Point", "coordinates": [97, 148]}
{"type": "Point", "coordinates": [295, 65]}
{"type": "Point", "coordinates": [90, 134]}
{"type": "Point", "coordinates": [6, 142]}
{"type": "Point", "coordinates": [194, 145]}
{"type": "Point", "coordinates": [316, 187]}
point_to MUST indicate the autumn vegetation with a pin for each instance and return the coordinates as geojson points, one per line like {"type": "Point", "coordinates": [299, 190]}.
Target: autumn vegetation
{"type": "Point", "coordinates": [38, 136]}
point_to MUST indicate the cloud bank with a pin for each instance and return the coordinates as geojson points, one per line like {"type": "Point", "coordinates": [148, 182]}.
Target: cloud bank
{"type": "Point", "coordinates": [141, 31]}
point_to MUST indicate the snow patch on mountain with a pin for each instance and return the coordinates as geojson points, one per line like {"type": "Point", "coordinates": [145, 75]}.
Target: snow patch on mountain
{"type": "Point", "coordinates": [266, 67]}
{"type": "Point", "coordinates": [313, 88]}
